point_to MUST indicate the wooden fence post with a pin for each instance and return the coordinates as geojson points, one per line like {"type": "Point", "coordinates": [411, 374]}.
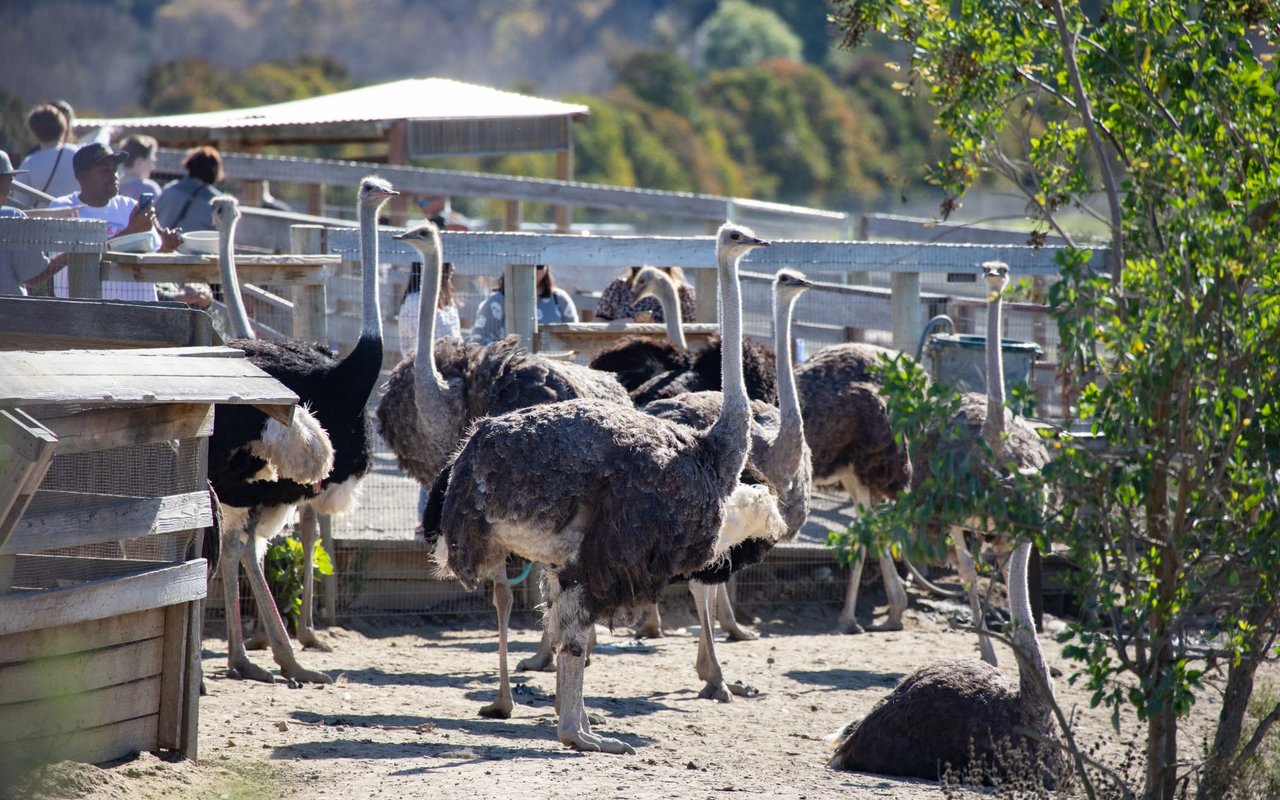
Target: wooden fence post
{"type": "Point", "coordinates": [309, 311]}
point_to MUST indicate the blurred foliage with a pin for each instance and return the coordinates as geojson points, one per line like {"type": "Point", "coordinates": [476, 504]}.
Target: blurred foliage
{"type": "Point", "coordinates": [194, 84]}
{"type": "Point", "coordinates": [283, 566]}
{"type": "Point", "coordinates": [742, 34]}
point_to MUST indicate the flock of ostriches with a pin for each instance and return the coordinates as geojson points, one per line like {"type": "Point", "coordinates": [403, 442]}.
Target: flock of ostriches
{"type": "Point", "coordinates": [670, 465]}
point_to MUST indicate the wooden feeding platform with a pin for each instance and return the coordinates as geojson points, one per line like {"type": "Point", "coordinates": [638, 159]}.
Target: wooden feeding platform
{"type": "Point", "coordinates": [103, 502]}
{"type": "Point", "coordinates": [585, 339]}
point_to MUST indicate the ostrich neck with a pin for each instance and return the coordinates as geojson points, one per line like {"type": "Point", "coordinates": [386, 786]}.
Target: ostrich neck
{"type": "Point", "coordinates": [1034, 673]}
{"type": "Point", "coordinates": [993, 426]}
{"type": "Point", "coordinates": [231, 282]}
{"type": "Point", "coordinates": [669, 299]}
{"type": "Point", "coordinates": [371, 308]}
{"type": "Point", "coordinates": [728, 434]}
{"type": "Point", "coordinates": [429, 384]}
{"type": "Point", "coordinates": [791, 427]}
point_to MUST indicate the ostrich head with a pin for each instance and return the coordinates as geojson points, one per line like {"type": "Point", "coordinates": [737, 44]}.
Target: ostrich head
{"type": "Point", "coordinates": [226, 211]}
{"type": "Point", "coordinates": [791, 283]}
{"type": "Point", "coordinates": [647, 282]}
{"type": "Point", "coordinates": [425, 238]}
{"type": "Point", "coordinates": [996, 274]}
{"type": "Point", "coordinates": [375, 191]}
{"type": "Point", "coordinates": [735, 241]}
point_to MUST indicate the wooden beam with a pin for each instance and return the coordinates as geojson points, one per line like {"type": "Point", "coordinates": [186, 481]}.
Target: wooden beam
{"type": "Point", "coordinates": [79, 518]}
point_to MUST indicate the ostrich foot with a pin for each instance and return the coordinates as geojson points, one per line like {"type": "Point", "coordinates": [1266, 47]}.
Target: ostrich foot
{"type": "Point", "coordinates": [891, 625]}
{"type": "Point", "coordinates": [737, 634]}
{"type": "Point", "coordinates": [497, 710]}
{"type": "Point", "coordinates": [538, 662]}
{"type": "Point", "coordinates": [849, 625]}
{"type": "Point", "coordinates": [586, 740]}
{"type": "Point", "coordinates": [296, 673]}
{"type": "Point", "coordinates": [649, 630]}
{"type": "Point", "coordinates": [743, 690]}
{"type": "Point", "coordinates": [244, 669]}
{"type": "Point", "coordinates": [717, 691]}
{"type": "Point", "coordinates": [309, 640]}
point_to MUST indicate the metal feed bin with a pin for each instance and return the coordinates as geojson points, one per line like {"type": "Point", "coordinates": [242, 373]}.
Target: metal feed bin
{"type": "Point", "coordinates": [960, 361]}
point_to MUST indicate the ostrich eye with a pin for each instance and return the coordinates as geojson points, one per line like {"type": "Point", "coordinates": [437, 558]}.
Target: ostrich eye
{"type": "Point", "coordinates": [736, 236]}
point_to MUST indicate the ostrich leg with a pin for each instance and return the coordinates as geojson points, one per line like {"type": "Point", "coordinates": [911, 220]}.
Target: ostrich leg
{"type": "Point", "coordinates": [544, 659]}
{"type": "Point", "coordinates": [502, 600]}
{"type": "Point", "coordinates": [309, 534]}
{"type": "Point", "coordinates": [707, 665]}
{"type": "Point", "coordinates": [969, 580]}
{"type": "Point", "coordinates": [569, 626]}
{"type": "Point", "coordinates": [894, 592]}
{"type": "Point", "coordinates": [651, 626]}
{"type": "Point", "coordinates": [725, 616]}
{"type": "Point", "coordinates": [848, 621]}
{"type": "Point", "coordinates": [233, 545]}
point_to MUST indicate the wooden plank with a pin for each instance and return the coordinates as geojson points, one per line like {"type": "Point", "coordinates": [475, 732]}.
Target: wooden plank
{"type": "Point", "coordinates": [26, 451]}
{"type": "Point", "coordinates": [82, 636]}
{"type": "Point", "coordinates": [134, 390]}
{"type": "Point", "coordinates": [920, 229]}
{"type": "Point", "coordinates": [80, 672]}
{"type": "Point", "coordinates": [171, 694]}
{"type": "Point", "coordinates": [93, 746]}
{"type": "Point", "coordinates": [70, 713]}
{"type": "Point", "coordinates": [180, 583]}
{"type": "Point", "coordinates": [118, 363]}
{"type": "Point", "coordinates": [39, 323]}
{"type": "Point", "coordinates": [90, 430]}
{"type": "Point", "coordinates": [189, 725]}
{"type": "Point", "coordinates": [69, 519]}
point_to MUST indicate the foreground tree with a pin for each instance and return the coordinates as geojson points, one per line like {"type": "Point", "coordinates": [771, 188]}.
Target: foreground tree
{"type": "Point", "coordinates": [1167, 111]}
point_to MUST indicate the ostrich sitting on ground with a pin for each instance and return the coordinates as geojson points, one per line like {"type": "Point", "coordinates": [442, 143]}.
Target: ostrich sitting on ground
{"type": "Point", "coordinates": [848, 428]}
{"type": "Point", "coordinates": [1012, 440]}
{"type": "Point", "coordinates": [630, 502]}
{"type": "Point", "coordinates": [778, 452]}
{"type": "Point", "coordinates": [436, 393]}
{"type": "Point", "coordinates": [962, 713]}
{"type": "Point", "coordinates": [256, 493]}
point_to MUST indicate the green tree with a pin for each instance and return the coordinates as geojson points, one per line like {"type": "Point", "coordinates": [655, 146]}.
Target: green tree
{"type": "Point", "coordinates": [740, 34]}
{"type": "Point", "coordinates": [1168, 112]}
{"type": "Point", "coordinates": [195, 84]}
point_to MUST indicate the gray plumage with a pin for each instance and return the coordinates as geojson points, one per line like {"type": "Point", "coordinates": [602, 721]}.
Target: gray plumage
{"type": "Point", "coordinates": [629, 502]}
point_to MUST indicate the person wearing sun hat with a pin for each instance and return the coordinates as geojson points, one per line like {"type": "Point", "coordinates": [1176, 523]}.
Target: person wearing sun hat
{"type": "Point", "coordinates": [18, 267]}
{"type": "Point", "coordinates": [99, 198]}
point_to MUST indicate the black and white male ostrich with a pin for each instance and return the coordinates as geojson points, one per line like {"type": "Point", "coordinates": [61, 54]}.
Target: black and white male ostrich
{"type": "Point", "coordinates": [984, 418]}
{"type": "Point", "coordinates": [626, 503]}
{"type": "Point", "coordinates": [436, 393]}
{"type": "Point", "coordinates": [956, 713]}
{"type": "Point", "coordinates": [778, 453]}
{"type": "Point", "coordinates": [256, 494]}
{"type": "Point", "coordinates": [848, 428]}
{"type": "Point", "coordinates": [653, 370]}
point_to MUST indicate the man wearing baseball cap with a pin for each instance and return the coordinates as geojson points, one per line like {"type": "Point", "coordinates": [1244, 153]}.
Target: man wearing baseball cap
{"type": "Point", "coordinates": [99, 198]}
{"type": "Point", "coordinates": [20, 266]}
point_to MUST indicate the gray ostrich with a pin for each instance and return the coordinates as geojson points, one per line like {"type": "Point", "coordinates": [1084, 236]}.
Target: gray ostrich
{"type": "Point", "coordinates": [778, 452]}
{"type": "Point", "coordinates": [631, 502]}
{"type": "Point", "coordinates": [256, 493]}
{"type": "Point", "coordinates": [631, 357]}
{"type": "Point", "coordinates": [1012, 440]}
{"type": "Point", "coordinates": [956, 713]}
{"type": "Point", "coordinates": [436, 393]}
{"type": "Point", "coordinates": [847, 425]}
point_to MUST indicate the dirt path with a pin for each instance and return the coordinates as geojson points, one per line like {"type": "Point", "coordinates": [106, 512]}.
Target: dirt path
{"type": "Point", "coordinates": [400, 720]}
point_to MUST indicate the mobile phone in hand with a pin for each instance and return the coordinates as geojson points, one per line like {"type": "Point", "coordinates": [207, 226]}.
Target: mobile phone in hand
{"type": "Point", "coordinates": [144, 201]}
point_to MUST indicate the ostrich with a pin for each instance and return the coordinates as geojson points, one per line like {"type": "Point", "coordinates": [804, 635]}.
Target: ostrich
{"type": "Point", "coordinates": [657, 370]}
{"type": "Point", "coordinates": [847, 426]}
{"type": "Point", "coordinates": [435, 394]}
{"type": "Point", "coordinates": [1013, 441]}
{"type": "Point", "coordinates": [960, 712]}
{"type": "Point", "coordinates": [256, 494]}
{"type": "Point", "coordinates": [631, 502]}
{"type": "Point", "coordinates": [778, 452]}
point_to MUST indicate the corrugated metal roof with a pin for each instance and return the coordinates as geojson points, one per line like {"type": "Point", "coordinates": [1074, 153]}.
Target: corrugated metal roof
{"type": "Point", "coordinates": [409, 99]}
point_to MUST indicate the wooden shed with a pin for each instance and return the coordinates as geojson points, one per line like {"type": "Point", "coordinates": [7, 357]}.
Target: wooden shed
{"type": "Point", "coordinates": [103, 503]}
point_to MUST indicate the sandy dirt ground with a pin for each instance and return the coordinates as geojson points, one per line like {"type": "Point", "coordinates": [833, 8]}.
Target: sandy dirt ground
{"type": "Point", "coordinates": [400, 719]}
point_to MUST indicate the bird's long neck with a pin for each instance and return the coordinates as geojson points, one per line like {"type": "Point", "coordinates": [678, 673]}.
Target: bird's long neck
{"type": "Point", "coordinates": [729, 432]}
{"type": "Point", "coordinates": [371, 307]}
{"type": "Point", "coordinates": [669, 299]}
{"type": "Point", "coordinates": [791, 427]}
{"type": "Point", "coordinates": [429, 384]}
{"type": "Point", "coordinates": [231, 282]}
{"type": "Point", "coordinates": [993, 425]}
{"type": "Point", "coordinates": [1033, 675]}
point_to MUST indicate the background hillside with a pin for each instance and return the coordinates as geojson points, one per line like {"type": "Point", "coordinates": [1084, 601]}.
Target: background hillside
{"type": "Point", "coordinates": [749, 99]}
